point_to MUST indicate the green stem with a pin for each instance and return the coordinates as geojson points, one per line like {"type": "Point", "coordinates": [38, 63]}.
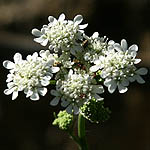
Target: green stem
{"type": "Point", "coordinates": [81, 133]}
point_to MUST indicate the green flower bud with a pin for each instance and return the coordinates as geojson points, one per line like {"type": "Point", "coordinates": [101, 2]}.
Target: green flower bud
{"type": "Point", "coordinates": [63, 120]}
{"type": "Point", "coordinates": [95, 111]}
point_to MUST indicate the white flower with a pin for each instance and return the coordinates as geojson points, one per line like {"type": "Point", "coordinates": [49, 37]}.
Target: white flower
{"type": "Point", "coordinates": [75, 90]}
{"type": "Point", "coordinates": [30, 75]}
{"type": "Point", "coordinates": [61, 34]}
{"type": "Point", "coordinates": [96, 47]}
{"type": "Point", "coordinates": [117, 67]}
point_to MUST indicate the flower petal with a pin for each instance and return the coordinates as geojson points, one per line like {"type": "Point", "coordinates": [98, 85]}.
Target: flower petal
{"type": "Point", "coordinates": [98, 98]}
{"type": "Point", "coordinates": [8, 64]}
{"type": "Point", "coordinates": [69, 109]}
{"type": "Point", "coordinates": [95, 35]}
{"type": "Point", "coordinates": [133, 48]}
{"type": "Point", "coordinates": [14, 95]}
{"type": "Point", "coordinates": [125, 82]}
{"type": "Point", "coordinates": [136, 61]}
{"type": "Point", "coordinates": [64, 103]}
{"type": "Point", "coordinates": [61, 17]}
{"type": "Point", "coordinates": [112, 87]}
{"type": "Point", "coordinates": [122, 89]}
{"type": "Point", "coordinates": [36, 32]}
{"type": "Point", "coordinates": [45, 82]}
{"type": "Point", "coordinates": [124, 44]}
{"type": "Point", "coordinates": [117, 47]}
{"type": "Point", "coordinates": [35, 96]}
{"type": "Point", "coordinates": [75, 109]}
{"type": "Point", "coordinates": [55, 69]}
{"type": "Point", "coordinates": [39, 40]}
{"type": "Point", "coordinates": [78, 19]}
{"type": "Point", "coordinates": [44, 42]}
{"type": "Point", "coordinates": [83, 26]}
{"type": "Point", "coordinates": [98, 89]}
{"type": "Point", "coordinates": [51, 19]}
{"type": "Point", "coordinates": [139, 79]}
{"type": "Point", "coordinates": [42, 91]}
{"type": "Point", "coordinates": [94, 68]}
{"type": "Point", "coordinates": [17, 58]}
{"type": "Point", "coordinates": [142, 71]}
{"type": "Point", "coordinates": [55, 93]}
{"type": "Point", "coordinates": [55, 101]}
{"type": "Point", "coordinates": [8, 91]}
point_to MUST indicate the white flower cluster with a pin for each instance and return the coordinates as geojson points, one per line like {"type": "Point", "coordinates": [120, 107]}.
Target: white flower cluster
{"type": "Point", "coordinates": [79, 62]}
{"type": "Point", "coordinates": [76, 88]}
{"type": "Point", "coordinates": [30, 75]}
{"type": "Point", "coordinates": [117, 66]}
{"type": "Point", "coordinates": [62, 34]}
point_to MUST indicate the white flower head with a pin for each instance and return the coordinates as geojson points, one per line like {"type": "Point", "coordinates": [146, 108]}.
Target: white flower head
{"type": "Point", "coordinates": [31, 75]}
{"type": "Point", "coordinates": [117, 67]}
{"type": "Point", "coordinates": [75, 90]}
{"type": "Point", "coordinates": [61, 34]}
{"type": "Point", "coordinates": [96, 47]}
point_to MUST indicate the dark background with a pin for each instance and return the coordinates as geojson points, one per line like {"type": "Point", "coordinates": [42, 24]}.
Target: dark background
{"type": "Point", "coordinates": [26, 125]}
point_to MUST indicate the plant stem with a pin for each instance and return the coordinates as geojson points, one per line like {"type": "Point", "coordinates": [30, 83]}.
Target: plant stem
{"type": "Point", "coordinates": [81, 133]}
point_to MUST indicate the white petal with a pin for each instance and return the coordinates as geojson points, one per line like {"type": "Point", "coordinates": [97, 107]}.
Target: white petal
{"type": "Point", "coordinates": [55, 101]}
{"type": "Point", "coordinates": [42, 91]}
{"type": "Point", "coordinates": [45, 82]}
{"type": "Point", "coordinates": [8, 91]}
{"type": "Point", "coordinates": [55, 69]}
{"type": "Point", "coordinates": [28, 92]}
{"type": "Point", "coordinates": [75, 109]}
{"type": "Point", "coordinates": [124, 44]}
{"type": "Point", "coordinates": [133, 48]}
{"type": "Point", "coordinates": [10, 85]}
{"type": "Point", "coordinates": [8, 64]}
{"type": "Point", "coordinates": [125, 82]}
{"type": "Point", "coordinates": [112, 87]}
{"type": "Point", "coordinates": [78, 19]}
{"type": "Point", "coordinates": [64, 103]}
{"type": "Point", "coordinates": [104, 74]}
{"type": "Point", "coordinates": [97, 61]}
{"type": "Point", "coordinates": [61, 17]}
{"type": "Point", "coordinates": [17, 58]}
{"type": "Point", "coordinates": [39, 40]}
{"type": "Point", "coordinates": [36, 32]}
{"type": "Point", "coordinates": [142, 71]}
{"type": "Point", "coordinates": [131, 79]}
{"type": "Point", "coordinates": [14, 95]}
{"type": "Point", "coordinates": [98, 89]}
{"type": "Point", "coordinates": [83, 26]}
{"type": "Point", "coordinates": [136, 61]}
{"type": "Point", "coordinates": [111, 42]}
{"type": "Point", "coordinates": [95, 35]}
{"type": "Point", "coordinates": [98, 98]}
{"type": "Point", "coordinates": [117, 47]}
{"type": "Point", "coordinates": [55, 93]}
{"type": "Point", "coordinates": [70, 73]}
{"type": "Point", "coordinates": [69, 109]}
{"type": "Point", "coordinates": [94, 68]}
{"type": "Point", "coordinates": [34, 96]}
{"type": "Point", "coordinates": [44, 42]}
{"type": "Point", "coordinates": [139, 79]}
{"type": "Point", "coordinates": [107, 82]}
{"type": "Point", "coordinates": [51, 19]}
{"type": "Point", "coordinates": [122, 89]}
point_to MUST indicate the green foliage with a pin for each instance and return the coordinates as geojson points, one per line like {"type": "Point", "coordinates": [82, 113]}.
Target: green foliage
{"type": "Point", "coordinates": [95, 111]}
{"type": "Point", "coordinates": [63, 120]}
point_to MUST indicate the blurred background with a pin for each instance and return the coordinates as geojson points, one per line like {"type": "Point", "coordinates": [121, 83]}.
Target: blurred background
{"type": "Point", "coordinates": [26, 125]}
